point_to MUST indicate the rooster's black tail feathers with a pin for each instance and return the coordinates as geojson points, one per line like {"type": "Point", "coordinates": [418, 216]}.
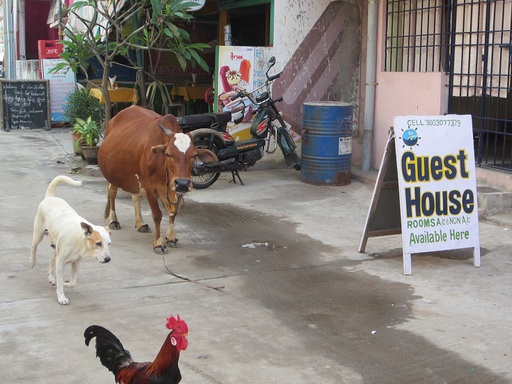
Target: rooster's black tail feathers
{"type": "Point", "coordinates": [108, 348]}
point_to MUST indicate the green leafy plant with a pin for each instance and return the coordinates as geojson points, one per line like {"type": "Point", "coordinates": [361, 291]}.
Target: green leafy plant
{"type": "Point", "coordinates": [88, 130]}
{"type": "Point", "coordinates": [110, 30]}
{"type": "Point", "coordinates": [81, 104]}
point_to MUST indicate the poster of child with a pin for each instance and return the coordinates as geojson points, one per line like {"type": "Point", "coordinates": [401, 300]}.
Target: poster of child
{"type": "Point", "coordinates": [235, 74]}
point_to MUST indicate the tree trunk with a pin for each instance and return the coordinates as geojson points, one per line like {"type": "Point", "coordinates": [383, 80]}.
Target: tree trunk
{"type": "Point", "coordinates": [106, 96]}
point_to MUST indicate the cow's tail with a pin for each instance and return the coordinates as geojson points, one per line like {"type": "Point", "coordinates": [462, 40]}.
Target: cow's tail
{"type": "Point", "coordinates": [106, 214]}
{"type": "Point", "coordinates": [61, 179]}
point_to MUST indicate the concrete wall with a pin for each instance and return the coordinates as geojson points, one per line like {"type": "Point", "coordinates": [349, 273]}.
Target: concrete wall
{"type": "Point", "coordinates": [400, 94]}
{"type": "Point", "coordinates": [319, 44]}
{"type": "Point", "coordinates": [292, 22]}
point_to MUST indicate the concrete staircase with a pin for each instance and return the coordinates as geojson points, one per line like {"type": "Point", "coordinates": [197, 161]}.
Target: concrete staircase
{"type": "Point", "coordinates": [492, 201]}
{"type": "Point", "coordinates": [494, 205]}
{"type": "Point", "coordinates": [494, 196]}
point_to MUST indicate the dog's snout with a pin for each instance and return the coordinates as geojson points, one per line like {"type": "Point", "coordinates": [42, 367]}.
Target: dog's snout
{"type": "Point", "coordinates": [106, 259]}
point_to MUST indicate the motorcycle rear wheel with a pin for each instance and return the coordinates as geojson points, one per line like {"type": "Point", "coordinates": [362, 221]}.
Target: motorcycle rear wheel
{"type": "Point", "coordinates": [207, 179]}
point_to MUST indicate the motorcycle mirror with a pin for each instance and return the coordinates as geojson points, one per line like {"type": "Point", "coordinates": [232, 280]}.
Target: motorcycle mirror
{"type": "Point", "coordinates": [272, 62]}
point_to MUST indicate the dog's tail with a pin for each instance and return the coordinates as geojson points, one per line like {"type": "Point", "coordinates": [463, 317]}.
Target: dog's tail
{"type": "Point", "coordinates": [61, 179]}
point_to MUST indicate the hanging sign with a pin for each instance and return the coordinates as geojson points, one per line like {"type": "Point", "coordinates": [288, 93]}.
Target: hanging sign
{"type": "Point", "coordinates": [437, 184]}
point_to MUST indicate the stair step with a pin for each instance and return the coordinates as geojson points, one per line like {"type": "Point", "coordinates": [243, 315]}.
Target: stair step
{"type": "Point", "coordinates": [492, 200]}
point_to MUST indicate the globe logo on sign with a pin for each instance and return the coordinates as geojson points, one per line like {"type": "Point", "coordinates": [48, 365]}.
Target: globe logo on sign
{"type": "Point", "coordinates": [410, 137]}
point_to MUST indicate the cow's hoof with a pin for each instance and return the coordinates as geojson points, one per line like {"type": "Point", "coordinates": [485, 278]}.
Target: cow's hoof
{"type": "Point", "coordinates": [144, 229]}
{"type": "Point", "coordinates": [114, 225]}
{"type": "Point", "coordinates": [160, 249]}
{"type": "Point", "coordinates": [171, 243]}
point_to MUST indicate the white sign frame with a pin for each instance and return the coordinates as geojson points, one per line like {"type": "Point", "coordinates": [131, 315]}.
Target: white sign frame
{"type": "Point", "coordinates": [437, 185]}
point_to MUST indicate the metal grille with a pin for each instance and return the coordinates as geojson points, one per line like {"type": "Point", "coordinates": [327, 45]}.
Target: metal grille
{"type": "Point", "coordinates": [480, 76]}
{"type": "Point", "coordinates": [415, 32]}
{"type": "Point", "coordinates": [470, 40]}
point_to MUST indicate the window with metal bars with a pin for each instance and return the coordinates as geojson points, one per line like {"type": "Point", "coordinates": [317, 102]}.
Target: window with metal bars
{"type": "Point", "coordinates": [415, 35]}
{"type": "Point", "coordinates": [470, 41]}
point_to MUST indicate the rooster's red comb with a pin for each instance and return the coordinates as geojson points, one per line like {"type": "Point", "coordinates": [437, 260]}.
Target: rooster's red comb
{"type": "Point", "coordinates": [177, 325]}
{"type": "Point", "coordinates": [179, 332]}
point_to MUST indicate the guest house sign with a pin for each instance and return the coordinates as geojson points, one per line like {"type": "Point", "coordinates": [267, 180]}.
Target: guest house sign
{"type": "Point", "coordinates": [437, 184]}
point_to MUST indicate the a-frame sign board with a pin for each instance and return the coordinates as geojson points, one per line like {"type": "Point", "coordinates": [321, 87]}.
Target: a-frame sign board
{"type": "Point", "coordinates": [384, 214]}
{"type": "Point", "coordinates": [431, 199]}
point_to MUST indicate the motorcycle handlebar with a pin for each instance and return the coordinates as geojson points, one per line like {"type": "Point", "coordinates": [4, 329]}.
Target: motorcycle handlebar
{"type": "Point", "coordinates": [242, 94]}
{"type": "Point", "coordinates": [237, 96]}
{"type": "Point", "coordinates": [272, 78]}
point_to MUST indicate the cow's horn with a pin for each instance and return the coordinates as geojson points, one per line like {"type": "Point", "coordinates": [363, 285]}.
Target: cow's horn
{"type": "Point", "coordinates": [167, 131]}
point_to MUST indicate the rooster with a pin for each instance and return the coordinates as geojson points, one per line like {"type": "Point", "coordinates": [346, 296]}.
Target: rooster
{"type": "Point", "coordinates": [164, 369]}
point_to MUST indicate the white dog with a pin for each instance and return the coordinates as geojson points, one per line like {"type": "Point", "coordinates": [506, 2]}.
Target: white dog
{"type": "Point", "coordinates": [71, 236]}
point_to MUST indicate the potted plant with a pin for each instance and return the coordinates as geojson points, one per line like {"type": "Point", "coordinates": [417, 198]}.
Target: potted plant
{"type": "Point", "coordinates": [89, 135]}
{"type": "Point", "coordinates": [81, 104]}
{"type": "Point", "coordinates": [77, 147]}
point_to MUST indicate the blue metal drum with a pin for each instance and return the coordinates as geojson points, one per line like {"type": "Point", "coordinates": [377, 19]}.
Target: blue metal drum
{"type": "Point", "coordinates": [326, 151]}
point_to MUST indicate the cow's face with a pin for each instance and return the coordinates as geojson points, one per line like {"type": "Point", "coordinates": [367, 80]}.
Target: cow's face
{"type": "Point", "coordinates": [180, 153]}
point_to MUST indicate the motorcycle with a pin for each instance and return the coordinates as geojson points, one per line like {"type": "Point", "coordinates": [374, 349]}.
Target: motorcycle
{"type": "Point", "coordinates": [209, 130]}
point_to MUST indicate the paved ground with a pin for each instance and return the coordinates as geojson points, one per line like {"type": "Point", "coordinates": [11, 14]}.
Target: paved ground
{"type": "Point", "coordinates": [280, 293]}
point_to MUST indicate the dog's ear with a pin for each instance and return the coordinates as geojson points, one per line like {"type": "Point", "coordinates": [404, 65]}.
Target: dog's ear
{"type": "Point", "coordinates": [107, 229]}
{"type": "Point", "coordinates": [87, 228]}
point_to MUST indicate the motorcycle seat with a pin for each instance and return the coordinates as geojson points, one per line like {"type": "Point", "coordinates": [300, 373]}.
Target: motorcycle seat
{"type": "Point", "coordinates": [217, 121]}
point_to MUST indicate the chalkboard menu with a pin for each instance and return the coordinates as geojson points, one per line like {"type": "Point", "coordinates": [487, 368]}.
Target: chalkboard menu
{"type": "Point", "coordinates": [25, 104]}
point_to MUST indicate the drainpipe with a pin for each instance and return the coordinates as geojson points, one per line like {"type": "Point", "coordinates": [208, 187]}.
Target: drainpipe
{"type": "Point", "coordinates": [9, 41]}
{"type": "Point", "coordinates": [16, 23]}
{"type": "Point", "coordinates": [369, 105]}
{"type": "Point", "coordinates": [21, 31]}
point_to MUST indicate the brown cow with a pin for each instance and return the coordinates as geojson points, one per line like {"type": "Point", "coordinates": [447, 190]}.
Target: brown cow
{"type": "Point", "coordinates": [144, 151]}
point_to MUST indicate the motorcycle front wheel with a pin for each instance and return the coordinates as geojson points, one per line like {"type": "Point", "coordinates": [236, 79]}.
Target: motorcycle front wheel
{"type": "Point", "coordinates": [204, 180]}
